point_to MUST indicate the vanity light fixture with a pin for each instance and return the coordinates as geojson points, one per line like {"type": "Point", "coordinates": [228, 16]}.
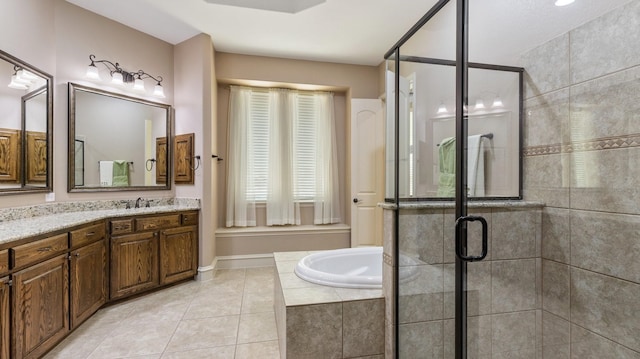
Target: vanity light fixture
{"type": "Point", "coordinates": [479, 105]}
{"type": "Point", "coordinates": [497, 103]}
{"type": "Point", "coordinates": [442, 110]}
{"type": "Point", "coordinates": [120, 76]}
{"type": "Point", "coordinates": [22, 79]}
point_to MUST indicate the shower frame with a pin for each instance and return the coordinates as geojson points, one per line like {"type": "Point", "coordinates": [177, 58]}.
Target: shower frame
{"type": "Point", "coordinates": [462, 65]}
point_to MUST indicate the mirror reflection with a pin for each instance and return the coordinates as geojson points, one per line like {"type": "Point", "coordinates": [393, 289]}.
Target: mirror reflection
{"type": "Point", "coordinates": [25, 127]}
{"type": "Point", "coordinates": [114, 141]}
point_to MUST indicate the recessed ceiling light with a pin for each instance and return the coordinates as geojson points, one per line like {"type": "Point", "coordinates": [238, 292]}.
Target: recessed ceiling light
{"type": "Point", "coordinates": [563, 2]}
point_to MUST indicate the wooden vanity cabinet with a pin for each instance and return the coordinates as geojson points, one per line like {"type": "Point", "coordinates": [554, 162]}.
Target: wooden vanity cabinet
{"type": "Point", "coordinates": [5, 322]}
{"type": "Point", "coordinates": [88, 272]}
{"type": "Point", "coordinates": [40, 307]}
{"type": "Point", "coordinates": [134, 263]}
{"type": "Point", "coordinates": [150, 251]}
{"type": "Point", "coordinates": [178, 254]}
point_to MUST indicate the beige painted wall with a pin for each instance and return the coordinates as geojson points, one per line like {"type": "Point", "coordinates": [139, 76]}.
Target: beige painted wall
{"type": "Point", "coordinates": [194, 113]}
{"type": "Point", "coordinates": [58, 37]}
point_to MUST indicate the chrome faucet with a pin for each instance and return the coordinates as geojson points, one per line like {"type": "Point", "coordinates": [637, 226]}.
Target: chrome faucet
{"type": "Point", "coordinates": [138, 202]}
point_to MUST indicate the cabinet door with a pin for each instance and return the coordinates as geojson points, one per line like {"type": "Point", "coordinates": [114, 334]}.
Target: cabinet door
{"type": "Point", "coordinates": [178, 254]}
{"type": "Point", "coordinates": [88, 281]}
{"type": "Point", "coordinates": [40, 307]}
{"type": "Point", "coordinates": [5, 323]}
{"type": "Point", "coordinates": [134, 263]}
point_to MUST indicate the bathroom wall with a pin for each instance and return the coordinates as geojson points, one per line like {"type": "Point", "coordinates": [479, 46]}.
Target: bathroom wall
{"type": "Point", "coordinates": [581, 159]}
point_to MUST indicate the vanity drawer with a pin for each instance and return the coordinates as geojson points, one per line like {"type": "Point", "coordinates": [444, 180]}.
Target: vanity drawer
{"type": "Point", "coordinates": [4, 261]}
{"type": "Point", "coordinates": [87, 234]}
{"type": "Point", "coordinates": [121, 226]}
{"type": "Point", "coordinates": [38, 250]}
{"type": "Point", "coordinates": [190, 218]}
{"type": "Point", "coordinates": [159, 222]}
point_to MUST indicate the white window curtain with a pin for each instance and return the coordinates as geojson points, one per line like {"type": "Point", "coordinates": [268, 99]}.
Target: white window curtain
{"type": "Point", "coordinates": [327, 199]}
{"type": "Point", "coordinates": [241, 204]}
{"type": "Point", "coordinates": [281, 207]}
{"type": "Point", "coordinates": [282, 150]}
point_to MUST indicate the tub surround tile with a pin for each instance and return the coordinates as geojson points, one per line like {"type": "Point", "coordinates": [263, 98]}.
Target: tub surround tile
{"type": "Point", "coordinates": [606, 44]}
{"type": "Point", "coordinates": [606, 243]}
{"type": "Point", "coordinates": [314, 331]}
{"type": "Point", "coordinates": [325, 322]}
{"type": "Point", "coordinates": [606, 306]}
{"type": "Point", "coordinates": [585, 344]}
{"type": "Point", "coordinates": [363, 328]}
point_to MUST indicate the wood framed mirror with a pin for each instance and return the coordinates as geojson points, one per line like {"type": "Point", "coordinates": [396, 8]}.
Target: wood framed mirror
{"type": "Point", "coordinates": [26, 127]}
{"type": "Point", "coordinates": [113, 142]}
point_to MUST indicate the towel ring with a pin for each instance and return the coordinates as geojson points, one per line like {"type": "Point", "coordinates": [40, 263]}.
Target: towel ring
{"type": "Point", "coordinates": [149, 167]}
{"type": "Point", "coordinates": [198, 163]}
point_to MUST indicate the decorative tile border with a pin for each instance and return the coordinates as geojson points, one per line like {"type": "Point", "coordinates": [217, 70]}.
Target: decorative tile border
{"type": "Point", "coordinates": [387, 259]}
{"type": "Point", "coordinates": [598, 144]}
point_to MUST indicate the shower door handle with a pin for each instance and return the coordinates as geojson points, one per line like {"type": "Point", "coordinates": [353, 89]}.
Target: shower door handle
{"type": "Point", "coordinates": [485, 241]}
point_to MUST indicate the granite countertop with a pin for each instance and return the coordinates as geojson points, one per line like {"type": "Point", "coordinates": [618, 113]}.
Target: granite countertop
{"type": "Point", "coordinates": [20, 228]}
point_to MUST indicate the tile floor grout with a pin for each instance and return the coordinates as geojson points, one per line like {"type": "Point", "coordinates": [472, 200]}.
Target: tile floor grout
{"type": "Point", "coordinates": [190, 320]}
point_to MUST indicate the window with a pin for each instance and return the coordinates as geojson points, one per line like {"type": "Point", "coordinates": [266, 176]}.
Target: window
{"type": "Point", "coordinates": [281, 152]}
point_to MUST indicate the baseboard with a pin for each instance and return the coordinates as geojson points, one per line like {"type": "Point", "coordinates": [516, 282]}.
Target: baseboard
{"type": "Point", "coordinates": [206, 273]}
{"type": "Point", "coordinates": [244, 261]}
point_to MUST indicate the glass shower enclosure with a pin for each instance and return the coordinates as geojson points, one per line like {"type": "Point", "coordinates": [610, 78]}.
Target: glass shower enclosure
{"type": "Point", "coordinates": [465, 253]}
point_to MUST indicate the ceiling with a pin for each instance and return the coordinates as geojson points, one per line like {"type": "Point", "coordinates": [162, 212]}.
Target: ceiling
{"type": "Point", "coordinates": [350, 31]}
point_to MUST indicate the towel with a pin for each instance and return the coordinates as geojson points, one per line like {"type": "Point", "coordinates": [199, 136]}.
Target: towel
{"type": "Point", "coordinates": [106, 173]}
{"type": "Point", "coordinates": [475, 166]}
{"type": "Point", "coordinates": [120, 173]}
{"type": "Point", "coordinates": [447, 168]}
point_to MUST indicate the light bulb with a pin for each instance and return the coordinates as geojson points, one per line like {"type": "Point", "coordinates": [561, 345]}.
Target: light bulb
{"type": "Point", "coordinates": [92, 72]}
{"type": "Point", "coordinates": [497, 103]}
{"type": "Point", "coordinates": [479, 105]}
{"type": "Point", "coordinates": [138, 85]}
{"type": "Point", "coordinates": [158, 91]}
{"type": "Point", "coordinates": [442, 109]}
{"type": "Point", "coordinates": [15, 84]}
{"type": "Point", "coordinates": [116, 78]}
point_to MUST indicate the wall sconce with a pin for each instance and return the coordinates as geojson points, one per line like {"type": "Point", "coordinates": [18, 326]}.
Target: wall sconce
{"type": "Point", "coordinates": [22, 79]}
{"type": "Point", "coordinates": [120, 76]}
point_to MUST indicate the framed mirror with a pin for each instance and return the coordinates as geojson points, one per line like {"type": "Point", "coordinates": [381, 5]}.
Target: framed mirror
{"type": "Point", "coordinates": [26, 123]}
{"type": "Point", "coordinates": [113, 141]}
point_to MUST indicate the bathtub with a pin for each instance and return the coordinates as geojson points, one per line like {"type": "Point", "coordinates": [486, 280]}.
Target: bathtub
{"type": "Point", "coordinates": [345, 268]}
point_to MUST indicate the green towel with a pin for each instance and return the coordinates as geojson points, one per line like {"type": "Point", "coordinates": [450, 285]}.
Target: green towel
{"type": "Point", "coordinates": [447, 166]}
{"type": "Point", "coordinates": [120, 173]}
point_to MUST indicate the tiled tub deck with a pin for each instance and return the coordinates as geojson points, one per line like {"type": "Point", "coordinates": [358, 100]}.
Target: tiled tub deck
{"type": "Point", "coordinates": [316, 321]}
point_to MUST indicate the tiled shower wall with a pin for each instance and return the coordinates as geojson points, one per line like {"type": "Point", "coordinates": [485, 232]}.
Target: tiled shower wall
{"type": "Point", "coordinates": [582, 159]}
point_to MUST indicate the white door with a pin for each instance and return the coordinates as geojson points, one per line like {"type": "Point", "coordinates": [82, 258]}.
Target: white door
{"type": "Point", "coordinates": [367, 171]}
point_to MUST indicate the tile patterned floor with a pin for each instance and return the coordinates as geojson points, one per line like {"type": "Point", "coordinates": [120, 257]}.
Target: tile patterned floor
{"type": "Point", "coordinates": [229, 317]}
